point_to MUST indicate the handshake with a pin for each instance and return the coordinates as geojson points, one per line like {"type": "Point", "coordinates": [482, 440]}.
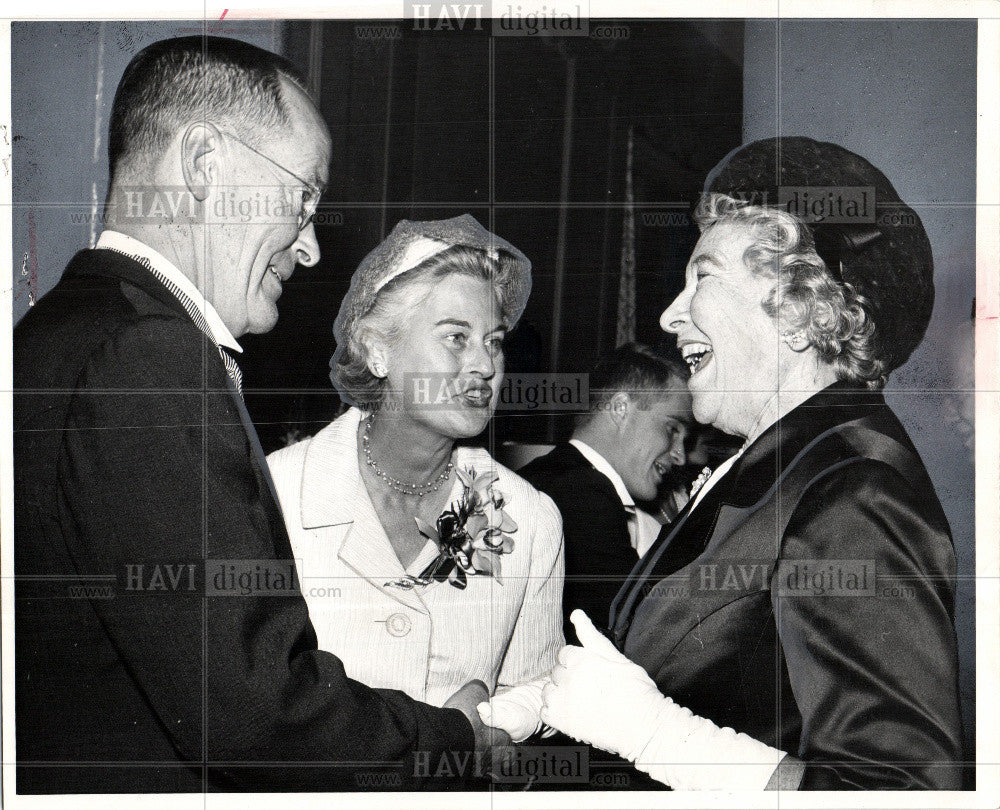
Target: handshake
{"type": "Point", "coordinates": [467, 700]}
{"type": "Point", "coordinates": [516, 713]}
{"type": "Point", "coordinates": [598, 696]}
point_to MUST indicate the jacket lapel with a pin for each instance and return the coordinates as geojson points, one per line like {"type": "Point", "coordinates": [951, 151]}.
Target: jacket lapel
{"type": "Point", "coordinates": [744, 485]}
{"type": "Point", "coordinates": [111, 264]}
{"type": "Point", "coordinates": [682, 540]}
{"type": "Point", "coordinates": [335, 505]}
{"type": "Point", "coordinates": [693, 535]}
{"type": "Point", "coordinates": [768, 457]}
{"type": "Point", "coordinates": [572, 459]}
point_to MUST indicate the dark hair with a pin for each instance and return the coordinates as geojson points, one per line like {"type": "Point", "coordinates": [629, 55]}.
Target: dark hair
{"type": "Point", "coordinates": [638, 371]}
{"type": "Point", "coordinates": [174, 82]}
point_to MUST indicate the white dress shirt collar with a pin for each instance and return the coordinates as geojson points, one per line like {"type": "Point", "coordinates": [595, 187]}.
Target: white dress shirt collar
{"type": "Point", "coordinates": [601, 464]}
{"type": "Point", "coordinates": [122, 243]}
{"type": "Point", "coordinates": [643, 528]}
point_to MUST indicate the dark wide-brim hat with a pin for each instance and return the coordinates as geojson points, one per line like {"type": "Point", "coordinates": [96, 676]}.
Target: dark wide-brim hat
{"type": "Point", "coordinates": [867, 236]}
{"type": "Point", "coordinates": [411, 243]}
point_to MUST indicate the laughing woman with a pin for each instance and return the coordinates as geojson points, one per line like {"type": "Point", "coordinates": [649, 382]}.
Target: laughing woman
{"type": "Point", "coordinates": [800, 609]}
{"type": "Point", "coordinates": [424, 562]}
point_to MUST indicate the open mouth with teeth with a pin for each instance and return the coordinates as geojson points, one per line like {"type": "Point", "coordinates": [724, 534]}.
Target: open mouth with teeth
{"type": "Point", "coordinates": [661, 468]}
{"type": "Point", "coordinates": [696, 355]}
{"type": "Point", "coordinates": [477, 397]}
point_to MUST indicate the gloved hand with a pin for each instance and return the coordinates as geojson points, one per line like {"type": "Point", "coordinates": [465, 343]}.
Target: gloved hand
{"type": "Point", "coordinates": [516, 710]}
{"type": "Point", "coordinates": [599, 696]}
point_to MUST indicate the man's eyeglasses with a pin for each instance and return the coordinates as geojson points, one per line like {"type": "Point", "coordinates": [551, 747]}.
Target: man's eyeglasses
{"type": "Point", "coordinates": [310, 193]}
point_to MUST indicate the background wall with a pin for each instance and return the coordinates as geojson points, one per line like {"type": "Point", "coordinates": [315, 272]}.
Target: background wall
{"type": "Point", "coordinates": [902, 94]}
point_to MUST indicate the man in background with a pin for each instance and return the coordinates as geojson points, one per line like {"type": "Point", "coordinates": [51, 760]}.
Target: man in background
{"type": "Point", "coordinates": [194, 667]}
{"type": "Point", "coordinates": [621, 451]}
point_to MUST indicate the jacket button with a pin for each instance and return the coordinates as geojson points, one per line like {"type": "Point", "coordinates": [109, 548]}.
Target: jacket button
{"type": "Point", "coordinates": [398, 624]}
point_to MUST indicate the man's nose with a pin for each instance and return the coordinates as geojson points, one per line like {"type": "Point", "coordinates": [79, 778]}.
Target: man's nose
{"type": "Point", "coordinates": [676, 315]}
{"type": "Point", "coordinates": [677, 454]}
{"type": "Point", "coordinates": [306, 247]}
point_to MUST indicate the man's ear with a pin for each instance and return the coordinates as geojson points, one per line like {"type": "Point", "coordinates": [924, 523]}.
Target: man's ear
{"type": "Point", "coordinates": [199, 158]}
{"type": "Point", "coordinates": [621, 409]}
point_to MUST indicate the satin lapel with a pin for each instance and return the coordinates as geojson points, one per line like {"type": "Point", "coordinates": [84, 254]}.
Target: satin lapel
{"type": "Point", "coordinates": [745, 484]}
{"type": "Point", "coordinates": [696, 534]}
{"type": "Point", "coordinates": [678, 544]}
{"type": "Point", "coordinates": [624, 602]}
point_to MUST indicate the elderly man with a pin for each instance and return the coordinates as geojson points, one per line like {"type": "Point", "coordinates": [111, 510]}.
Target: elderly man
{"type": "Point", "coordinates": [137, 468]}
{"type": "Point", "coordinates": [620, 452]}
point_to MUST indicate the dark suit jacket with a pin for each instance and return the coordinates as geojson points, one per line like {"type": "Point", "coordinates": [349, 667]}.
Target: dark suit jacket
{"type": "Point", "coordinates": [599, 558]}
{"type": "Point", "coordinates": [131, 448]}
{"type": "Point", "coordinates": [743, 611]}
{"type": "Point", "coordinates": [599, 554]}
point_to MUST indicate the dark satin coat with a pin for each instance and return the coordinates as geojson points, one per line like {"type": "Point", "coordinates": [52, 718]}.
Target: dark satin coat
{"type": "Point", "coordinates": [862, 684]}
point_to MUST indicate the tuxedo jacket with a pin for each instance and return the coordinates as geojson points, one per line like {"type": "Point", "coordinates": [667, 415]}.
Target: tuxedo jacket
{"type": "Point", "coordinates": [159, 645]}
{"type": "Point", "coordinates": [599, 554]}
{"type": "Point", "coordinates": [808, 601]}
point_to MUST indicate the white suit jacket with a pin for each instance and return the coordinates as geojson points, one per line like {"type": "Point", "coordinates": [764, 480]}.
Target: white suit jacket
{"type": "Point", "coordinates": [431, 640]}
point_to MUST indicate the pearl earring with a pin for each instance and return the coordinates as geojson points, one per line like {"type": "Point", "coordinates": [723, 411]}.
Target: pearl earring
{"type": "Point", "coordinates": [380, 370]}
{"type": "Point", "coordinates": [795, 340]}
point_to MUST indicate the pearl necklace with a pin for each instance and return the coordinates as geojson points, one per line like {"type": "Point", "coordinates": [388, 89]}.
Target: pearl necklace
{"type": "Point", "coordinates": [400, 486]}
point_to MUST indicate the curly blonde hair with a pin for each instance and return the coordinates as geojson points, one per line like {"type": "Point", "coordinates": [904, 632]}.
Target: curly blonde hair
{"type": "Point", "coordinates": [807, 297]}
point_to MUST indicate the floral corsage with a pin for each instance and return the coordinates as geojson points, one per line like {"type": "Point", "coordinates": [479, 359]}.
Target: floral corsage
{"type": "Point", "coordinates": [472, 534]}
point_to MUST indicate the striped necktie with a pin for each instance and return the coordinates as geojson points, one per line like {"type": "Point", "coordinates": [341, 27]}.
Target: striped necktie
{"type": "Point", "coordinates": [232, 367]}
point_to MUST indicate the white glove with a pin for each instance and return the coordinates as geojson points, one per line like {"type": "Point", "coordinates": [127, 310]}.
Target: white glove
{"type": "Point", "coordinates": [516, 710]}
{"type": "Point", "coordinates": [599, 696]}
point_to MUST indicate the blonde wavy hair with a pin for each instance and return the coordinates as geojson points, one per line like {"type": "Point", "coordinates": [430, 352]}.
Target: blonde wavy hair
{"type": "Point", "coordinates": [807, 297]}
{"type": "Point", "coordinates": [387, 318]}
